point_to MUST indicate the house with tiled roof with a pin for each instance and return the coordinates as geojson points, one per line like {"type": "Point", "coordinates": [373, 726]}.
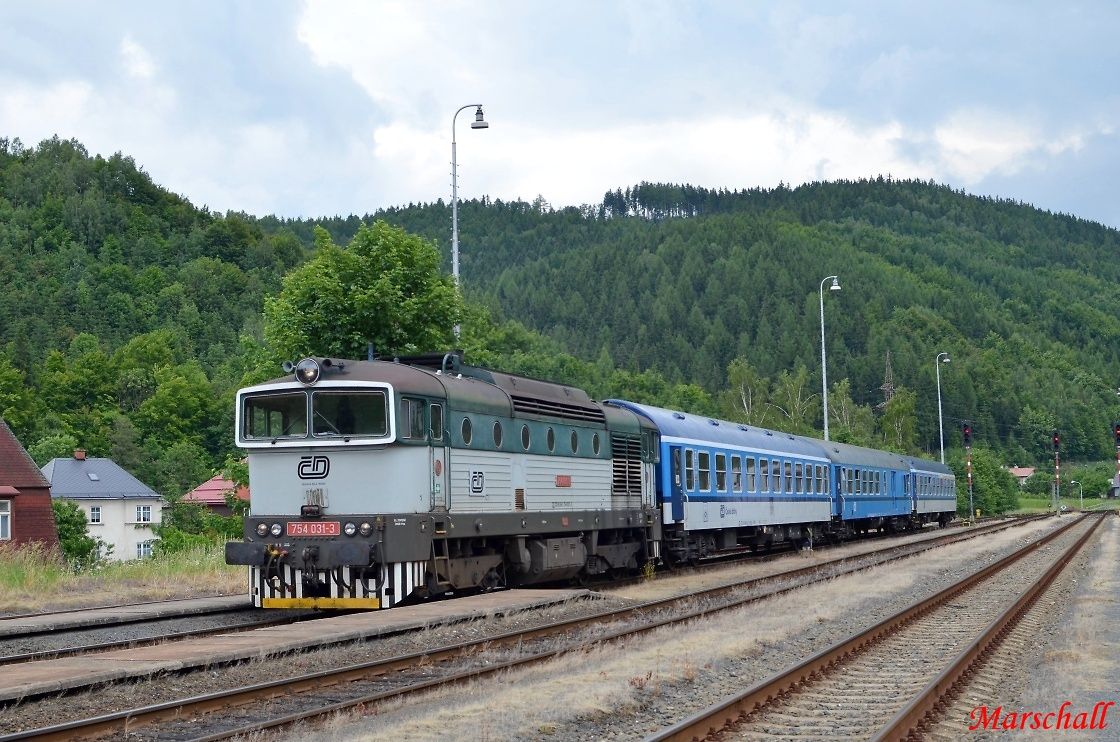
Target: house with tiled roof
{"type": "Point", "coordinates": [211, 494]}
{"type": "Point", "coordinates": [25, 496]}
{"type": "Point", "coordinates": [121, 509]}
{"type": "Point", "coordinates": [1021, 473]}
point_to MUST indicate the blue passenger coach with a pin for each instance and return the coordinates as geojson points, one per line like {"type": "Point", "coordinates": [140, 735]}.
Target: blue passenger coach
{"type": "Point", "coordinates": [725, 486]}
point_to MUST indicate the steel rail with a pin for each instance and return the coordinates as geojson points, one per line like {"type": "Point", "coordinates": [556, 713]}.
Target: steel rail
{"type": "Point", "coordinates": [709, 722]}
{"type": "Point", "coordinates": [132, 719]}
{"type": "Point", "coordinates": [910, 720]}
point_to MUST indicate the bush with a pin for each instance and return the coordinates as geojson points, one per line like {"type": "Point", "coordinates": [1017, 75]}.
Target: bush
{"type": "Point", "coordinates": [79, 548]}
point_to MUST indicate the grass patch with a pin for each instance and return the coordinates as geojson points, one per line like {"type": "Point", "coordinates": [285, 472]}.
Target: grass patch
{"type": "Point", "coordinates": [35, 579]}
{"type": "Point", "coordinates": [1045, 504]}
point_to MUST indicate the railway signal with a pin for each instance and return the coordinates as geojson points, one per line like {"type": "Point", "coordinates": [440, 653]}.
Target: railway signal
{"type": "Point", "coordinates": [1116, 430]}
{"type": "Point", "coordinates": [1057, 439]}
{"type": "Point", "coordinates": [966, 431]}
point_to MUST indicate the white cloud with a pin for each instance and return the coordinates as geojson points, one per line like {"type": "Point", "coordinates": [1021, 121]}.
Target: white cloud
{"type": "Point", "coordinates": [136, 59]}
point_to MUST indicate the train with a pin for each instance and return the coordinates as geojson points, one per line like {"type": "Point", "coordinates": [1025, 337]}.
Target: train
{"type": "Point", "coordinates": [380, 482]}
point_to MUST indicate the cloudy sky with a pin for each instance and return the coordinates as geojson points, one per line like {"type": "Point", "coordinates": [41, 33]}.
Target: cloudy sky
{"type": "Point", "coordinates": [325, 107]}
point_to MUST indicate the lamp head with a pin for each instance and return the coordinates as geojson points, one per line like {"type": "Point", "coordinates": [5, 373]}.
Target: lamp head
{"type": "Point", "coordinates": [479, 122]}
{"type": "Point", "coordinates": [835, 284]}
{"type": "Point", "coordinates": [946, 359]}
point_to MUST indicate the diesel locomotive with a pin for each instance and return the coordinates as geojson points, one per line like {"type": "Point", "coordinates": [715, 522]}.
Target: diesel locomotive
{"type": "Point", "coordinates": [377, 482]}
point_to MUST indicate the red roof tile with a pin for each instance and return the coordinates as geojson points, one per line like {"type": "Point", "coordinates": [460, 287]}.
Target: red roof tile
{"type": "Point", "coordinates": [17, 468]}
{"type": "Point", "coordinates": [213, 491]}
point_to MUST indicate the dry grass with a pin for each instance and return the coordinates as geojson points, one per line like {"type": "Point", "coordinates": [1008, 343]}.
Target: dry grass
{"type": "Point", "coordinates": [34, 579]}
{"type": "Point", "coordinates": [537, 701]}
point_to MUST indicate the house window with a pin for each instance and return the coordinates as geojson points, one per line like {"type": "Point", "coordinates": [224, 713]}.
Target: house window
{"type": "Point", "coordinates": [143, 549]}
{"type": "Point", "coordinates": [144, 514]}
{"type": "Point", "coordinates": [95, 514]}
{"type": "Point", "coordinates": [5, 520]}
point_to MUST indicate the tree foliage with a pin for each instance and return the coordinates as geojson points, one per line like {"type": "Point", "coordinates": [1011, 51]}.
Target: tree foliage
{"type": "Point", "coordinates": [384, 289]}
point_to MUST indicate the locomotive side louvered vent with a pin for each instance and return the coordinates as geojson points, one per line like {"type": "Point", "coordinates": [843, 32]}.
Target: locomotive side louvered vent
{"type": "Point", "coordinates": [626, 451]}
{"type": "Point", "coordinates": [553, 408]}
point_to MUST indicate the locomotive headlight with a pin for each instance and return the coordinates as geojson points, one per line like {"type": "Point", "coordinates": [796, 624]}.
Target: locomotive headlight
{"type": "Point", "coordinates": [366, 529]}
{"type": "Point", "coordinates": [349, 529]}
{"type": "Point", "coordinates": [307, 371]}
{"type": "Point", "coordinates": [276, 529]}
{"type": "Point", "coordinates": [262, 529]}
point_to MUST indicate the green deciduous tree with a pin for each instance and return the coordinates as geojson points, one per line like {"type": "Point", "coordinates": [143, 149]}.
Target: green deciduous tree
{"type": "Point", "coordinates": [79, 548]}
{"type": "Point", "coordinates": [383, 288]}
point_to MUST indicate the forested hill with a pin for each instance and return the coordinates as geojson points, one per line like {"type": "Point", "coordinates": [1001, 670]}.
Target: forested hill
{"type": "Point", "coordinates": [685, 280]}
{"type": "Point", "coordinates": [128, 315]}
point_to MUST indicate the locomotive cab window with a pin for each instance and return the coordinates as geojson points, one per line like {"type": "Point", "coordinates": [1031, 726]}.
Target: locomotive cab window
{"type": "Point", "coordinates": [437, 422]}
{"type": "Point", "coordinates": [412, 420]}
{"type": "Point", "coordinates": [275, 416]}
{"type": "Point", "coordinates": [350, 413]}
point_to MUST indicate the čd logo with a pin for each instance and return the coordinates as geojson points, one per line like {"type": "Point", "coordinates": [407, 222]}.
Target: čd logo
{"type": "Point", "coordinates": [313, 467]}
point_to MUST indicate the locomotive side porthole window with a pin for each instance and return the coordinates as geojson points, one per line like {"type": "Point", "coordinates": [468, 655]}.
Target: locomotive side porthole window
{"type": "Point", "coordinates": [437, 422]}
{"type": "Point", "coordinates": [595, 443]}
{"type": "Point", "coordinates": [575, 442]}
{"type": "Point", "coordinates": [550, 439]}
{"type": "Point", "coordinates": [467, 432]}
{"type": "Point", "coordinates": [525, 439]}
{"type": "Point", "coordinates": [497, 434]}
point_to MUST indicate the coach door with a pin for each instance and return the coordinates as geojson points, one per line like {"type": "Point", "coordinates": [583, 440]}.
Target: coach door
{"type": "Point", "coordinates": [440, 458]}
{"type": "Point", "coordinates": [677, 479]}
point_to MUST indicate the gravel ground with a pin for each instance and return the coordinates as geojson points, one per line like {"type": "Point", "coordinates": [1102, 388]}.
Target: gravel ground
{"type": "Point", "coordinates": [629, 692]}
{"type": "Point", "coordinates": [125, 696]}
{"type": "Point", "coordinates": [1074, 655]}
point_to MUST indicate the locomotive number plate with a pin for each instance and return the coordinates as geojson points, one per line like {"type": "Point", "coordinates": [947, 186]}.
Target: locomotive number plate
{"type": "Point", "coordinates": [314, 528]}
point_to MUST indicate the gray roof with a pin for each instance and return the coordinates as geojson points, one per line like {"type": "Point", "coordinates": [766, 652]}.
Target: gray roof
{"type": "Point", "coordinates": [94, 479]}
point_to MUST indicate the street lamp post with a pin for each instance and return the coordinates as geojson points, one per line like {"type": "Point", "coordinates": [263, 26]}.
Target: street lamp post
{"type": "Point", "coordinates": [478, 123]}
{"type": "Point", "coordinates": [1080, 493]}
{"type": "Point", "coordinates": [824, 363]}
{"type": "Point", "coordinates": [940, 428]}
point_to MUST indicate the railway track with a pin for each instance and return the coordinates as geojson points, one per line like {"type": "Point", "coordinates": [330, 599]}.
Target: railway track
{"type": "Point", "coordinates": [283, 703]}
{"type": "Point", "coordinates": [894, 671]}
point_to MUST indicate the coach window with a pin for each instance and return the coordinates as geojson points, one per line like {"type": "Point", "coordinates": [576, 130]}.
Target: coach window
{"type": "Point", "coordinates": [737, 473]}
{"type": "Point", "coordinates": [498, 434]}
{"type": "Point", "coordinates": [689, 469]}
{"type": "Point", "coordinates": [437, 422]}
{"type": "Point", "coordinates": [775, 475]}
{"type": "Point", "coordinates": [799, 477]}
{"type": "Point", "coordinates": [705, 464]}
{"type": "Point", "coordinates": [550, 439]}
{"type": "Point", "coordinates": [467, 431]}
{"type": "Point", "coordinates": [750, 474]}
{"type": "Point", "coordinates": [789, 477]}
{"type": "Point", "coordinates": [820, 479]}
{"type": "Point", "coordinates": [721, 472]}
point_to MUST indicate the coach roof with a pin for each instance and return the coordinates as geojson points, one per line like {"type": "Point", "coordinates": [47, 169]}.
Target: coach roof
{"type": "Point", "coordinates": [709, 431]}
